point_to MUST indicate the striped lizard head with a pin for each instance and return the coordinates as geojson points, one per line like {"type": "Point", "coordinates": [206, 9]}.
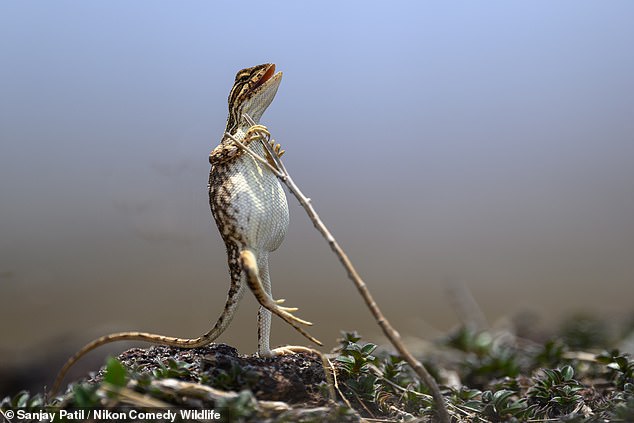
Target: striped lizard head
{"type": "Point", "coordinates": [252, 92]}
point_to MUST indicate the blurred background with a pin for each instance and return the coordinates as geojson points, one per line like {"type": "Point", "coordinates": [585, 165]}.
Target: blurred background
{"type": "Point", "coordinates": [482, 146]}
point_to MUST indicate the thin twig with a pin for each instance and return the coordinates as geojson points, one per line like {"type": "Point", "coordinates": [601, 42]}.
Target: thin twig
{"type": "Point", "coordinates": [255, 155]}
{"type": "Point", "coordinates": [334, 377]}
{"type": "Point", "coordinates": [382, 321]}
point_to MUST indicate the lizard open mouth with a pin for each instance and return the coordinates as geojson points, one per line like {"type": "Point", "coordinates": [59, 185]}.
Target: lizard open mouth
{"type": "Point", "coordinates": [267, 75]}
{"type": "Point", "coordinates": [254, 90]}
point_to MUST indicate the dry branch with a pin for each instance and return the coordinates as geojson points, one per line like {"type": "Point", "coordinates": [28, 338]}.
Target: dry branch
{"type": "Point", "coordinates": [382, 321]}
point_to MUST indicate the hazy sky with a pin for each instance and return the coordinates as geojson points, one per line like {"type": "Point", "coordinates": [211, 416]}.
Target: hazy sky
{"type": "Point", "coordinates": [484, 143]}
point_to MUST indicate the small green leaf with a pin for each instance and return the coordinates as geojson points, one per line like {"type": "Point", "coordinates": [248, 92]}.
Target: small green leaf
{"type": "Point", "coordinates": [502, 395]}
{"type": "Point", "coordinates": [567, 372]}
{"type": "Point", "coordinates": [351, 346]}
{"type": "Point", "coordinates": [487, 396]}
{"type": "Point", "coordinates": [23, 398]}
{"type": "Point", "coordinates": [368, 348]}
{"type": "Point", "coordinates": [622, 362]}
{"type": "Point", "coordinates": [469, 393]}
{"type": "Point", "coordinates": [345, 359]}
{"type": "Point", "coordinates": [613, 366]}
{"type": "Point", "coordinates": [557, 400]}
{"type": "Point", "coordinates": [115, 373]}
{"type": "Point", "coordinates": [84, 396]}
{"type": "Point", "coordinates": [604, 358]}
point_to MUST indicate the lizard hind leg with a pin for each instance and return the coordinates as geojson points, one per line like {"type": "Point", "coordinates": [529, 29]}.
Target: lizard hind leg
{"type": "Point", "coordinates": [250, 267]}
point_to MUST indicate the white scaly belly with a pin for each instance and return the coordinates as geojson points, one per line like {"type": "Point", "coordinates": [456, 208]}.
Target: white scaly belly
{"type": "Point", "coordinates": [259, 202]}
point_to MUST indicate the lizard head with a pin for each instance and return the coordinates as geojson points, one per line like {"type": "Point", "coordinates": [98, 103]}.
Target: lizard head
{"type": "Point", "coordinates": [252, 92]}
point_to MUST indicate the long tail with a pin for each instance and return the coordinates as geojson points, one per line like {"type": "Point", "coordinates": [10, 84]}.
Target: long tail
{"type": "Point", "coordinates": [123, 336]}
{"type": "Point", "coordinates": [233, 299]}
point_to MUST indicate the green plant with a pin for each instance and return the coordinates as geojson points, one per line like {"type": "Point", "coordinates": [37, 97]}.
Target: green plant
{"type": "Point", "coordinates": [85, 395]}
{"type": "Point", "coordinates": [174, 369]}
{"type": "Point", "coordinates": [485, 356]}
{"type": "Point", "coordinates": [622, 405]}
{"type": "Point", "coordinates": [555, 393]}
{"type": "Point", "coordinates": [234, 378]}
{"type": "Point", "coordinates": [22, 399]}
{"type": "Point", "coordinates": [621, 367]}
{"type": "Point", "coordinates": [355, 361]}
{"type": "Point", "coordinates": [380, 383]}
{"type": "Point", "coordinates": [501, 405]}
{"type": "Point", "coordinates": [116, 373]}
{"type": "Point", "coordinates": [238, 408]}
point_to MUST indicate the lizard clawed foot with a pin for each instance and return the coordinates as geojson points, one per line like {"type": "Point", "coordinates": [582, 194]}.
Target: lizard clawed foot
{"type": "Point", "coordinates": [228, 150]}
{"type": "Point", "coordinates": [277, 148]}
{"type": "Point", "coordinates": [257, 132]}
{"type": "Point", "coordinates": [260, 132]}
{"type": "Point", "coordinates": [289, 309]}
{"type": "Point", "coordinates": [292, 349]}
{"type": "Point", "coordinates": [249, 264]}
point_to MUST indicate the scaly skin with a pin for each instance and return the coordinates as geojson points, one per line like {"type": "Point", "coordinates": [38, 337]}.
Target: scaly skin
{"type": "Point", "coordinates": [249, 205]}
{"type": "Point", "coordinates": [250, 209]}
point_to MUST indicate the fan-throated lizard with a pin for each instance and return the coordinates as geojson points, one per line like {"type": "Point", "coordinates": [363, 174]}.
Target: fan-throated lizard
{"type": "Point", "coordinates": [251, 212]}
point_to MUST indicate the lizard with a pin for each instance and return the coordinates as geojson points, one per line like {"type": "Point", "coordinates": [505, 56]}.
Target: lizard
{"type": "Point", "coordinates": [250, 209]}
